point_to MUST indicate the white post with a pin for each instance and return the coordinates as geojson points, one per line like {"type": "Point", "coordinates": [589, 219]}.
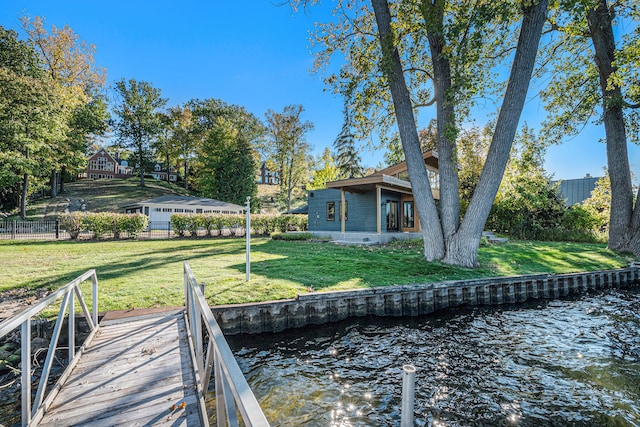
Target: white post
{"type": "Point", "coordinates": [408, 394]}
{"type": "Point", "coordinates": [248, 236]}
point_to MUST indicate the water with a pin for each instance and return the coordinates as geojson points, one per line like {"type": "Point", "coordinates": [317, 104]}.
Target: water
{"type": "Point", "coordinates": [550, 363]}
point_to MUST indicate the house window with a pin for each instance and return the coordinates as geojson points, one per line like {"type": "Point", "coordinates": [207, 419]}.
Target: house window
{"type": "Point", "coordinates": [331, 211]}
{"type": "Point", "coordinates": [157, 209]}
{"type": "Point", "coordinates": [198, 211]}
{"type": "Point", "coordinates": [168, 210]}
{"type": "Point", "coordinates": [178, 210]}
{"type": "Point", "coordinates": [190, 210]}
{"type": "Point", "coordinates": [346, 209]}
{"type": "Point", "coordinates": [408, 217]}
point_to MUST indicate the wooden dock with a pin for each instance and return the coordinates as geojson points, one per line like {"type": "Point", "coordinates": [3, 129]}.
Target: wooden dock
{"type": "Point", "coordinates": [135, 372]}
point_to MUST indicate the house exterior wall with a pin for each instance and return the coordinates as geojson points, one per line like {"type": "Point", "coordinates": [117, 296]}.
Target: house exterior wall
{"type": "Point", "coordinates": [577, 190]}
{"type": "Point", "coordinates": [361, 210]}
{"type": "Point", "coordinates": [158, 212]}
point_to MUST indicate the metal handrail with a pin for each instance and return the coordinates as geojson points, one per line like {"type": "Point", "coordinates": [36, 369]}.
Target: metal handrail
{"type": "Point", "coordinates": [32, 413]}
{"type": "Point", "coordinates": [231, 388]}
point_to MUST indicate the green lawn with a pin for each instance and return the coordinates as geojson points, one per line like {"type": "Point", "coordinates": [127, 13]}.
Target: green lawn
{"type": "Point", "coordinates": [148, 273]}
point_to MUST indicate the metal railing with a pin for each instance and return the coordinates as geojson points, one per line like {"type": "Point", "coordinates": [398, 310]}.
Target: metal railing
{"type": "Point", "coordinates": [33, 411]}
{"type": "Point", "coordinates": [232, 392]}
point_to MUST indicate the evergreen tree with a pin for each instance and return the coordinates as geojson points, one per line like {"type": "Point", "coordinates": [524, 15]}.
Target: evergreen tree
{"type": "Point", "coordinates": [347, 158]}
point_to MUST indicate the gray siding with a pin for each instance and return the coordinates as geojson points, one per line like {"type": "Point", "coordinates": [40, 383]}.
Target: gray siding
{"type": "Point", "coordinates": [361, 210]}
{"type": "Point", "coordinates": [577, 190]}
{"type": "Point", "coordinates": [361, 215]}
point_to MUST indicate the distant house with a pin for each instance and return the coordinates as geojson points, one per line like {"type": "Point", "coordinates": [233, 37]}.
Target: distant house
{"type": "Point", "coordinates": [161, 173]}
{"type": "Point", "coordinates": [161, 208]}
{"type": "Point", "coordinates": [379, 203]}
{"type": "Point", "coordinates": [268, 177]}
{"type": "Point", "coordinates": [104, 165]}
{"type": "Point", "coordinates": [578, 190]}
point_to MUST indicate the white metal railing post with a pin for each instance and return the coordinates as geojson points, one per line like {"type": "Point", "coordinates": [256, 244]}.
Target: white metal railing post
{"type": "Point", "coordinates": [72, 325]}
{"type": "Point", "coordinates": [25, 352]}
{"type": "Point", "coordinates": [408, 395]}
{"type": "Point", "coordinates": [248, 238]}
{"type": "Point", "coordinates": [94, 297]}
{"type": "Point", "coordinates": [233, 394]}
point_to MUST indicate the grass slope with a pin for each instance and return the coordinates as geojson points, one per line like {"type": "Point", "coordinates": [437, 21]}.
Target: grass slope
{"type": "Point", "coordinates": [149, 273]}
{"type": "Point", "coordinates": [101, 195]}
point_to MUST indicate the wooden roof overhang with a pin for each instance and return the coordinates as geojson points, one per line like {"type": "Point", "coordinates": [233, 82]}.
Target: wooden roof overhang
{"type": "Point", "coordinates": [370, 183]}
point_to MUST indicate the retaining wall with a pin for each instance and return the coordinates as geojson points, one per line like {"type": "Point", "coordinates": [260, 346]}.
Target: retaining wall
{"type": "Point", "coordinates": [412, 300]}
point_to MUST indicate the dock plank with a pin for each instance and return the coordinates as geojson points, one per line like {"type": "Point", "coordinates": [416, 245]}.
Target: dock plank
{"type": "Point", "coordinates": [132, 374]}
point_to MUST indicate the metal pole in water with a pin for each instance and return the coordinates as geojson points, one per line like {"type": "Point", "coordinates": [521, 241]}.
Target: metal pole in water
{"type": "Point", "coordinates": [248, 236]}
{"type": "Point", "coordinates": [408, 394]}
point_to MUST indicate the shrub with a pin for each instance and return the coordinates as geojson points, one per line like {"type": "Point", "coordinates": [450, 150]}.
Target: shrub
{"type": "Point", "coordinates": [132, 224]}
{"type": "Point", "coordinates": [73, 223]}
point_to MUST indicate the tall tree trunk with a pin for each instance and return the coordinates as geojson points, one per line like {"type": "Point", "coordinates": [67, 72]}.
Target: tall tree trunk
{"type": "Point", "coordinates": [23, 197]}
{"type": "Point", "coordinates": [433, 15]}
{"type": "Point", "coordinates": [421, 187]}
{"type": "Point", "coordinates": [140, 159]}
{"type": "Point", "coordinates": [63, 172]}
{"type": "Point", "coordinates": [462, 249]}
{"type": "Point", "coordinates": [622, 232]}
{"type": "Point", "coordinates": [54, 183]}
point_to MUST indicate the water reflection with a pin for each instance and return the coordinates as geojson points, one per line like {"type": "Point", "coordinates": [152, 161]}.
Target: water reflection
{"type": "Point", "coordinates": [570, 362]}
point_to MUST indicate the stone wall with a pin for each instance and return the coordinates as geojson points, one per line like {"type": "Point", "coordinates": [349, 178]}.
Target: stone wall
{"type": "Point", "coordinates": [412, 300]}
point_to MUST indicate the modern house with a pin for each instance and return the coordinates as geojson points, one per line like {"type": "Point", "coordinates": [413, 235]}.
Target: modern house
{"type": "Point", "coordinates": [375, 208]}
{"type": "Point", "coordinates": [104, 165]}
{"type": "Point", "coordinates": [161, 208]}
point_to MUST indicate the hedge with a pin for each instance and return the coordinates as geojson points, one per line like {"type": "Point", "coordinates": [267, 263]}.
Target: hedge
{"type": "Point", "coordinates": [104, 223]}
{"type": "Point", "coordinates": [217, 224]}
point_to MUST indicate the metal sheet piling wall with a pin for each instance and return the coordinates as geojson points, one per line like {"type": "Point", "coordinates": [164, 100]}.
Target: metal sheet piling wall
{"type": "Point", "coordinates": [413, 300]}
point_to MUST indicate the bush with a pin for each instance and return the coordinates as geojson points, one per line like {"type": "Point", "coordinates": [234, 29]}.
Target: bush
{"type": "Point", "coordinates": [103, 223]}
{"type": "Point", "coordinates": [292, 236]}
{"type": "Point", "coordinates": [73, 223]}
{"type": "Point", "coordinates": [262, 225]}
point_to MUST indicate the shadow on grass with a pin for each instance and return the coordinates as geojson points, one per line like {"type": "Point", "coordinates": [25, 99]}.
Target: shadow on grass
{"type": "Point", "coordinates": [158, 254]}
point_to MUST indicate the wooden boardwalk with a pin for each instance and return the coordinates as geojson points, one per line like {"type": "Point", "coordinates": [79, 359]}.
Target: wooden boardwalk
{"type": "Point", "coordinates": [137, 372]}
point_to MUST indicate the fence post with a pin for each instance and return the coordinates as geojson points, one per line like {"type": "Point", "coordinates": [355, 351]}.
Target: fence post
{"type": "Point", "coordinates": [57, 228]}
{"type": "Point", "coordinates": [169, 230]}
{"type": "Point", "coordinates": [13, 229]}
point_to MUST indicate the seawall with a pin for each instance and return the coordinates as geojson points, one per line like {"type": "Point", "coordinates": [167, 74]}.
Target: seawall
{"type": "Point", "coordinates": [413, 300]}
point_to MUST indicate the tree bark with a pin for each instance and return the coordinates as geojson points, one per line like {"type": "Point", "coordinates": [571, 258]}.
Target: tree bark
{"type": "Point", "coordinates": [433, 15]}
{"type": "Point", "coordinates": [23, 197]}
{"type": "Point", "coordinates": [621, 225]}
{"type": "Point", "coordinates": [54, 183]}
{"type": "Point", "coordinates": [462, 249]}
{"type": "Point", "coordinates": [421, 187]}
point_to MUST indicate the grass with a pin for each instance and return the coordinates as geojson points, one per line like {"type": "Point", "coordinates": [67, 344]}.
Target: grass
{"type": "Point", "coordinates": [148, 273]}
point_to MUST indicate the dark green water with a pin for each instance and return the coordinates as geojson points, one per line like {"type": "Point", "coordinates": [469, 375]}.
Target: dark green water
{"type": "Point", "coordinates": [551, 363]}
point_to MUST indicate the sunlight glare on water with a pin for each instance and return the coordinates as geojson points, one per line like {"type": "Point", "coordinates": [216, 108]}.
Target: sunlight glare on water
{"type": "Point", "coordinates": [546, 363]}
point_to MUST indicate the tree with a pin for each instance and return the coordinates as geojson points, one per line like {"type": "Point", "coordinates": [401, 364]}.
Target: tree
{"type": "Point", "coordinates": [599, 75]}
{"type": "Point", "coordinates": [286, 133]}
{"type": "Point", "coordinates": [440, 53]}
{"type": "Point", "coordinates": [347, 158]}
{"type": "Point", "coordinates": [227, 164]}
{"type": "Point", "coordinates": [224, 139]}
{"type": "Point", "coordinates": [325, 171]}
{"type": "Point", "coordinates": [78, 82]}
{"type": "Point", "coordinates": [599, 203]}
{"type": "Point", "coordinates": [137, 123]}
{"type": "Point", "coordinates": [30, 119]}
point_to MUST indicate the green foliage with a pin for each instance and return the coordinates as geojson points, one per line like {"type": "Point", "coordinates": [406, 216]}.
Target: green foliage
{"type": "Point", "coordinates": [103, 224]}
{"type": "Point", "coordinates": [287, 147]}
{"type": "Point", "coordinates": [347, 158]}
{"type": "Point", "coordinates": [325, 171]}
{"type": "Point", "coordinates": [293, 236]}
{"type": "Point", "coordinates": [599, 204]}
{"type": "Point", "coordinates": [137, 123]}
{"type": "Point", "coordinates": [73, 223]}
{"type": "Point", "coordinates": [219, 224]}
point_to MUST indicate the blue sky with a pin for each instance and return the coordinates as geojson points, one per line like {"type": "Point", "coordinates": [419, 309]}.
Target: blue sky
{"type": "Point", "coordinates": [254, 54]}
